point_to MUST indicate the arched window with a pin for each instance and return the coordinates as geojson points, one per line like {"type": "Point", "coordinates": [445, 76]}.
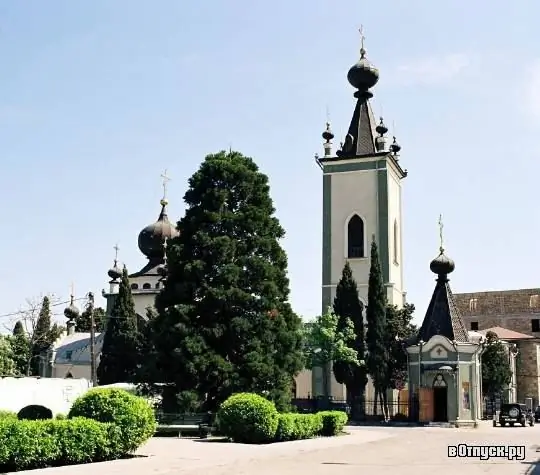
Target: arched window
{"type": "Point", "coordinates": [147, 286]}
{"type": "Point", "coordinates": [355, 238]}
{"type": "Point", "coordinates": [534, 301]}
{"type": "Point", "coordinates": [396, 242]}
{"type": "Point", "coordinates": [134, 286]}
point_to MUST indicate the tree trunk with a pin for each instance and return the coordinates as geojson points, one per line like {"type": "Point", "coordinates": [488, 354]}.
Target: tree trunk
{"type": "Point", "coordinates": [381, 401]}
{"type": "Point", "coordinates": [385, 405]}
{"type": "Point", "coordinates": [375, 402]}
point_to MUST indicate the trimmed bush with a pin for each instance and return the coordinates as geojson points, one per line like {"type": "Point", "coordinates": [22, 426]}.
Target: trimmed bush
{"type": "Point", "coordinates": [7, 415]}
{"type": "Point", "coordinates": [298, 426]}
{"type": "Point", "coordinates": [248, 418]}
{"type": "Point", "coordinates": [332, 422]}
{"type": "Point", "coordinates": [34, 413]}
{"type": "Point", "coordinates": [28, 444]}
{"type": "Point", "coordinates": [132, 414]}
{"type": "Point", "coordinates": [60, 417]}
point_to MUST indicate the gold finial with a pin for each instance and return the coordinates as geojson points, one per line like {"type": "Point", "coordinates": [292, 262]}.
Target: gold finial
{"type": "Point", "coordinates": [72, 295]}
{"type": "Point", "coordinates": [165, 249]}
{"type": "Point", "coordinates": [362, 38]}
{"type": "Point", "coordinates": [327, 115]}
{"type": "Point", "coordinates": [441, 242]}
{"type": "Point", "coordinates": [166, 179]}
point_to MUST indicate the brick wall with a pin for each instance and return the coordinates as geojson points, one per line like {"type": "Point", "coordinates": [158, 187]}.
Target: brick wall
{"type": "Point", "coordinates": [527, 371]}
{"type": "Point", "coordinates": [511, 309]}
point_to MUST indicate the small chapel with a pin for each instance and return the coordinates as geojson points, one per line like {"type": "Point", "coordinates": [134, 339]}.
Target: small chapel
{"type": "Point", "coordinates": [444, 363]}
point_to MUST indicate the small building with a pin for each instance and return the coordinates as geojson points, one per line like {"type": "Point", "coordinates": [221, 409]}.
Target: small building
{"type": "Point", "coordinates": [445, 378]}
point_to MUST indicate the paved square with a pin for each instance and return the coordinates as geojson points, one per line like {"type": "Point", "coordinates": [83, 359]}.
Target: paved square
{"type": "Point", "coordinates": [380, 450]}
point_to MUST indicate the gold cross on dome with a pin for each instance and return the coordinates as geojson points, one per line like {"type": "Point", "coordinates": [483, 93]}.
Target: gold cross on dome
{"type": "Point", "coordinates": [362, 37]}
{"type": "Point", "coordinates": [116, 249]}
{"type": "Point", "coordinates": [441, 226]}
{"type": "Point", "coordinates": [166, 179]}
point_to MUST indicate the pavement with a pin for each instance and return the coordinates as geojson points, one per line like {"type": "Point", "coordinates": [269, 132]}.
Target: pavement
{"type": "Point", "coordinates": [381, 450]}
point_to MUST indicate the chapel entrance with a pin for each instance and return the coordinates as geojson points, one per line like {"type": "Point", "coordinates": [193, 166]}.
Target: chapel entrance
{"type": "Point", "coordinates": [440, 399]}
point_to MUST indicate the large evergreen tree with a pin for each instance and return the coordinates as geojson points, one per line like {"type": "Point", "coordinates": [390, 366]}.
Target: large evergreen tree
{"type": "Point", "coordinates": [82, 324]}
{"type": "Point", "coordinates": [8, 366]}
{"type": "Point", "coordinates": [119, 354]}
{"type": "Point", "coordinates": [41, 336]}
{"type": "Point", "coordinates": [496, 371]}
{"type": "Point", "coordinates": [377, 357]}
{"type": "Point", "coordinates": [225, 324]}
{"type": "Point", "coordinates": [349, 308]}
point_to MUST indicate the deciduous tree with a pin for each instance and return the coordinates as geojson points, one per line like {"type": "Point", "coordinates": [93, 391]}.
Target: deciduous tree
{"type": "Point", "coordinates": [496, 370]}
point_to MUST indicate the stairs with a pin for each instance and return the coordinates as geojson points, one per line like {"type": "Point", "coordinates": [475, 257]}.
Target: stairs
{"type": "Point", "coordinates": [445, 425]}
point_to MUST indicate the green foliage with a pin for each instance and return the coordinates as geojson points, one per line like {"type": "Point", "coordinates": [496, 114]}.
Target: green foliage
{"type": "Point", "coordinates": [332, 422]}
{"type": "Point", "coordinates": [20, 345]}
{"type": "Point", "coordinates": [398, 328]}
{"type": "Point", "coordinates": [298, 427]}
{"type": "Point", "coordinates": [7, 415]}
{"type": "Point", "coordinates": [349, 309]}
{"type": "Point", "coordinates": [83, 322]}
{"type": "Point", "coordinates": [120, 352]}
{"type": "Point", "coordinates": [224, 323]}
{"type": "Point", "coordinates": [60, 417]}
{"type": "Point", "coordinates": [377, 358]}
{"type": "Point", "coordinates": [132, 414]}
{"type": "Point", "coordinates": [8, 366]}
{"type": "Point", "coordinates": [496, 370]}
{"type": "Point", "coordinates": [26, 445]}
{"type": "Point", "coordinates": [41, 336]}
{"type": "Point", "coordinates": [34, 413]}
{"type": "Point", "coordinates": [248, 418]}
{"type": "Point", "coordinates": [325, 343]}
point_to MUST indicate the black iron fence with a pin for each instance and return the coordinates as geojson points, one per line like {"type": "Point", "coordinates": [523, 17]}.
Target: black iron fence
{"type": "Point", "coordinates": [360, 410]}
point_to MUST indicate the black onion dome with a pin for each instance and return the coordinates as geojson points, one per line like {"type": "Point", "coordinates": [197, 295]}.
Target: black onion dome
{"type": "Point", "coordinates": [327, 134]}
{"type": "Point", "coordinates": [442, 264]}
{"type": "Point", "coordinates": [381, 129]}
{"type": "Point", "coordinates": [363, 75]}
{"type": "Point", "coordinates": [152, 237]}
{"type": "Point", "coordinates": [395, 147]}
{"type": "Point", "coordinates": [114, 273]}
{"type": "Point", "coordinates": [72, 312]}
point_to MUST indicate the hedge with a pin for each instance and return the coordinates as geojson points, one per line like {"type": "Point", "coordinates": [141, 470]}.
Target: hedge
{"type": "Point", "coordinates": [250, 418]}
{"type": "Point", "coordinates": [133, 415]}
{"type": "Point", "coordinates": [7, 415]}
{"type": "Point", "coordinates": [26, 444]}
{"type": "Point", "coordinates": [332, 422]}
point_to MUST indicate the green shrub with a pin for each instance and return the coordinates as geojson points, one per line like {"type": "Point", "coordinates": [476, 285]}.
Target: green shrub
{"type": "Point", "coordinates": [132, 414]}
{"type": "Point", "coordinates": [60, 417]}
{"type": "Point", "coordinates": [248, 418]}
{"type": "Point", "coordinates": [298, 426]}
{"type": "Point", "coordinates": [332, 422]}
{"type": "Point", "coordinates": [7, 415]}
{"type": "Point", "coordinates": [34, 413]}
{"type": "Point", "coordinates": [28, 444]}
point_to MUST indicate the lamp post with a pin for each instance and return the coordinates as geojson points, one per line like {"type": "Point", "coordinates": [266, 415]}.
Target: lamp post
{"type": "Point", "coordinates": [514, 350]}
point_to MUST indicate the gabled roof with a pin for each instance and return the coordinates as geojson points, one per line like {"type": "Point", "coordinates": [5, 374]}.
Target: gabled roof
{"type": "Point", "coordinates": [506, 334]}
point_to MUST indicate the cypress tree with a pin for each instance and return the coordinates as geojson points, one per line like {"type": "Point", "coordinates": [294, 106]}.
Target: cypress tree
{"type": "Point", "coordinates": [82, 324]}
{"type": "Point", "coordinates": [377, 357]}
{"type": "Point", "coordinates": [119, 353]}
{"type": "Point", "coordinates": [224, 323]}
{"type": "Point", "coordinates": [21, 348]}
{"type": "Point", "coordinates": [348, 307]}
{"type": "Point", "coordinates": [41, 336]}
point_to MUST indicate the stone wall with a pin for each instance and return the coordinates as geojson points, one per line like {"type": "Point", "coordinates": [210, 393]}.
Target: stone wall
{"type": "Point", "coordinates": [527, 371]}
{"type": "Point", "coordinates": [511, 309]}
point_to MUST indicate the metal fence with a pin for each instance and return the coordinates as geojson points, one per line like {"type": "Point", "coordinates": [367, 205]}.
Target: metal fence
{"type": "Point", "coordinates": [359, 410]}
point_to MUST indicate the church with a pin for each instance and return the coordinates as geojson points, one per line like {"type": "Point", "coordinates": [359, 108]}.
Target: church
{"type": "Point", "coordinates": [69, 356]}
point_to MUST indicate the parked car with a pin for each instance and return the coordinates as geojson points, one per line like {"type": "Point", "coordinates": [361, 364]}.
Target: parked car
{"type": "Point", "coordinates": [537, 414]}
{"type": "Point", "coordinates": [514, 414]}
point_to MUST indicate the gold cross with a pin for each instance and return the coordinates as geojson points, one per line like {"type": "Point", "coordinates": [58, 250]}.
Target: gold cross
{"type": "Point", "coordinates": [116, 249]}
{"type": "Point", "coordinates": [441, 226]}
{"type": "Point", "coordinates": [165, 180]}
{"type": "Point", "coordinates": [362, 37]}
{"type": "Point", "coordinates": [72, 296]}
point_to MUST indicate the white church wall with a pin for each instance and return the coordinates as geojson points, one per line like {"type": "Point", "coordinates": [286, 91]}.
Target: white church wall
{"type": "Point", "coordinates": [395, 227]}
{"type": "Point", "coordinates": [352, 193]}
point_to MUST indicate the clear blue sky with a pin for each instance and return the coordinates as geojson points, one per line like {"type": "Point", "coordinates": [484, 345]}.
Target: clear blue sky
{"type": "Point", "coordinates": [98, 97]}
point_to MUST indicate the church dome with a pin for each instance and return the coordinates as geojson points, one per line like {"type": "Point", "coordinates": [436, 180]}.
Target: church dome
{"type": "Point", "coordinates": [442, 264]}
{"type": "Point", "coordinates": [363, 75]}
{"type": "Point", "coordinates": [152, 238]}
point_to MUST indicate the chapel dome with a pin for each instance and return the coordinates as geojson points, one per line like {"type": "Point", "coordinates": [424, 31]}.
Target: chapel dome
{"type": "Point", "coordinates": [152, 238]}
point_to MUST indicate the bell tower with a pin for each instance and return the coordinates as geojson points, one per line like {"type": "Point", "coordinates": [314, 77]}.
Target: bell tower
{"type": "Point", "coordinates": [362, 197]}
